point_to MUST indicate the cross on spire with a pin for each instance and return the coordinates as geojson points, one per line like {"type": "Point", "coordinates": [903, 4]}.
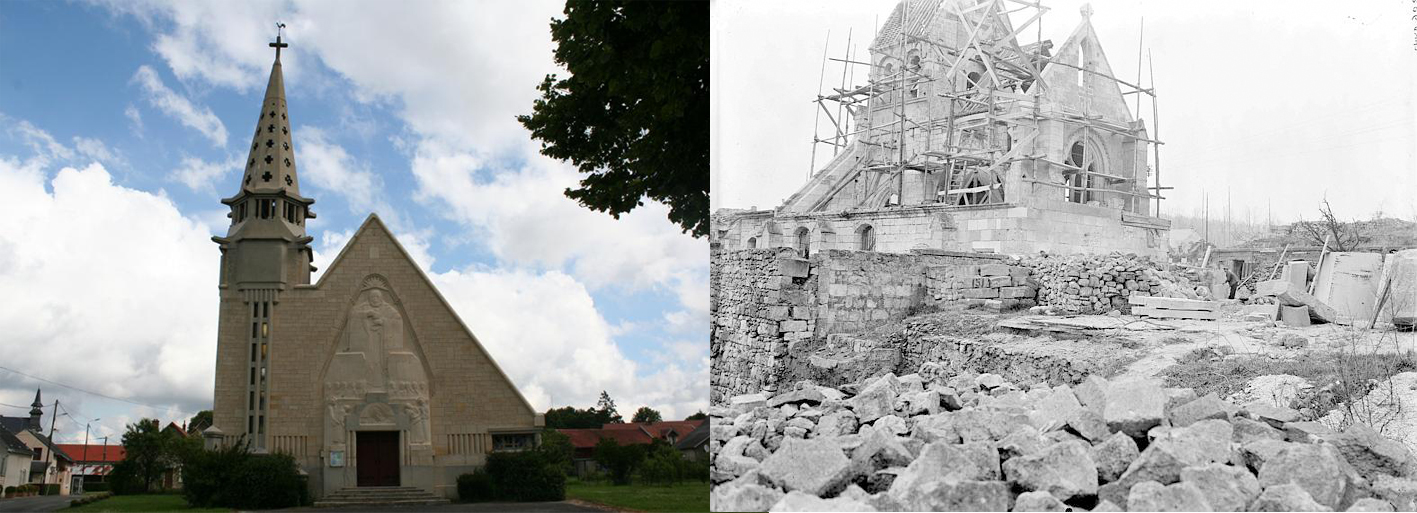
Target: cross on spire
{"type": "Point", "coordinates": [278, 44]}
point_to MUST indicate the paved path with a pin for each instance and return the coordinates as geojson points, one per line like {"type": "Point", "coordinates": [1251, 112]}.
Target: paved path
{"type": "Point", "coordinates": [39, 503]}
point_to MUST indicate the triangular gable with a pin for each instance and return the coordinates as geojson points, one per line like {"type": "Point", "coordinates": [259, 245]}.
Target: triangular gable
{"type": "Point", "coordinates": [1107, 94]}
{"type": "Point", "coordinates": [372, 227]}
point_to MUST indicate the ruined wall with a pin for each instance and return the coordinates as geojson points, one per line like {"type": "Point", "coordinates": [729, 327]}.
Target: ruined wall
{"type": "Point", "coordinates": [1098, 284]}
{"type": "Point", "coordinates": [759, 302]}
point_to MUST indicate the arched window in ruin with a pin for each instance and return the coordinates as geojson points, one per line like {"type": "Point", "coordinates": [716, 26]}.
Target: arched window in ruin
{"type": "Point", "coordinates": [1084, 157]}
{"type": "Point", "coordinates": [804, 241]}
{"type": "Point", "coordinates": [752, 243]}
{"type": "Point", "coordinates": [913, 59]}
{"type": "Point", "coordinates": [868, 238]}
{"type": "Point", "coordinates": [978, 186]}
{"type": "Point", "coordinates": [887, 69]}
{"type": "Point", "coordinates": [972, 79]}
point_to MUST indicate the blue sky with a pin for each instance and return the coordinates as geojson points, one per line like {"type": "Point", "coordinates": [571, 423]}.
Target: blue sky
{"type": "Point", "coordinates": [123, 123]}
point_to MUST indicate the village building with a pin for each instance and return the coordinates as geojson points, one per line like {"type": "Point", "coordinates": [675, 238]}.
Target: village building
{"type": "Point", "coordinates": [367, 377]}
{"type": "Point", "coordinates": [15, 462]}
{"type": "Point", "coordinates": [964, 140]}
{"type": "Point", "coordinates": [48, 463]}
{"type": "Point", "coordinates": [93, 462]}
{"type": "Point", "coordinates": [583, 441]}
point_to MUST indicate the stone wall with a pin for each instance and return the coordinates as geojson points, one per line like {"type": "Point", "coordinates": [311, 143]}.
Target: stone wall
{"type": "Point", "coordinates": [768, 304]}
{"type": "Point", "coordinates": [1098, 284]}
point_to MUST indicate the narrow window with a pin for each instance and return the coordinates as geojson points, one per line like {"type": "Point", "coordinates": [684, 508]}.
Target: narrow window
{"type": "Point", "coordinates": [804, 242]}
{"type": "Point", "coordinates": [752, 243]}
{"type": "Point", "coordinates": [868, 238]}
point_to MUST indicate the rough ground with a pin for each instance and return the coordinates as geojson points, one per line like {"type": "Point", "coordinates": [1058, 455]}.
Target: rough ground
{"type": "Point", "coordinates": [941, 440]}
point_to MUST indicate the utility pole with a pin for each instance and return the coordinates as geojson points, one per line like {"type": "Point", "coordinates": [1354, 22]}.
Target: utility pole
{"type": "Point", "coordinates": [49, 455]}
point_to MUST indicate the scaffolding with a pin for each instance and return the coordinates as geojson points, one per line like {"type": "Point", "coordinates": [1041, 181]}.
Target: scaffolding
{"type": "Point", "coordinates": [987, 120]}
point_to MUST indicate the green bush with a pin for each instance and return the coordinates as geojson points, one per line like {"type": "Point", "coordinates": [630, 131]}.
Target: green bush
{"type": "Point", "coordinates": [124, 479]}
{"type": "Point", "coordinates": [620, 460]}
{"type": "Point", "coordinates": [523, 476]}
{"type": "Point", "coordinates": [96, 486]}
{"type": "Point", "coordinates": [232, 477]}
{"type": "Point", "coordinates": [9, 491]}
{"type": "Point", "coordinates": [476, 487]}
{"type": "Point", "coordinates": [50, 489]}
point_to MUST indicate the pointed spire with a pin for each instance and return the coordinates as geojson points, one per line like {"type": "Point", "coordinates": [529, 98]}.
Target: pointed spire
{"type": "Point", "coordinates": [36, 411]}
{"type": "Point", "coordinates": [270, 163]}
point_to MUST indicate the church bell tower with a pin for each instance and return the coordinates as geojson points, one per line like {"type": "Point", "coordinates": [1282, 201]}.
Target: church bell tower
{"type": "Point", "coordinates": [265, 252]}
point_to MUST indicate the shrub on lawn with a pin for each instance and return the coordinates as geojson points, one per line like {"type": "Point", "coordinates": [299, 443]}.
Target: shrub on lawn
{"type": "Point", "coordinates": [98, 486]}
{"type": "Point", "coordinates": [476, 487]}
{"type": "Point", "coordinates": [662, 465]}
{"type": "Point", "coordinates": [514, 476]}
{"type": "Point", "coordinates": [50, 489]}
{"type": "Point", "coordinates": [232, 477]}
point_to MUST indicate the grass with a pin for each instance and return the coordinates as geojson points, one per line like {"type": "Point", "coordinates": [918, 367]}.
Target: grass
{"type": "Point", "coordinates": [687, 496]}
{"type": "Point", "coordinates": [1339, 376]}
{"type": "Point", "coordinates": [150, 502]}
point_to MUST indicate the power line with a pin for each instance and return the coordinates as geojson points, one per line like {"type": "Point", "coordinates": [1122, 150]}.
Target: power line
{"type": "Point", "coordinates": [77, 389]}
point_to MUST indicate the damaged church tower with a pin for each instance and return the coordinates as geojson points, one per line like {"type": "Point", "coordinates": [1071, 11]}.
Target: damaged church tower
{"type": "Point", "coordinates": [964, 140]}
{"type": "Point", "coordinates": [368, 377]}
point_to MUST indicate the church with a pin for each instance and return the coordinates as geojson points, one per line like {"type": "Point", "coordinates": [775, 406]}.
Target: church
{"type": "Point", "coordinates": [965, 139]}
{"type": "Point", "coordinates": [367, 377]}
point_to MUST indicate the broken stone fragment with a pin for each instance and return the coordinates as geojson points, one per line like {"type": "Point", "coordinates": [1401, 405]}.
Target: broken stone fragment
{"type": "Point", "coordinates": [1113, 456]}
{"type": "Point", "coordinates": [1225, 488]}
{"type": "Point", "coordinates": [977, 461]}
{"type": "Point", "coordinates": [1257, 452]}
{"type": "Point", "coordinates": [1401, 492]}
{"type": "Point", "coordinates": [1317, 468]}
{"type": "Point", "coordinates": [879, 450]}
{"type": "Point", "coordinates": [1134, 406]}
{"type": "Point", "coordinates": [949, 495]}
{"type": "Point", "coordinates": [746, 402]}
{"type": "Point", "coordinates": [1208, 407]}
{"type": "Point", "coordinates": [1178, 448]}
{"type": "Point", "coordinates": [891, 424]}
{"type": "Point", "coordinates": [1054, 411]}
{"type": "Point", "coordinates": [747, 497]}
{"type": "Point", "coordinates": [1092, 393]}
{"type": "Point", "coordinates": [1286, 497]}
{"type": "Point", "coordinates": [798, 501]}
{"type": "Point", "coordinates": [935, 428]}
{"type": "Point", "coordinates": [838, 423]}
{"type": "Point", "coordinates": [730, 467]}
{"type": "Point", "coordinates": [1373, 454]}
{"type": "Point", "coordinates": [1370, 504]}
{"type": "Point", "coordinates": [722, 432]}
{"type": "Point", "coordinates": [1275, 416]}
{"type": "Point", "coordinates": [1022, 442]}
{"type": "Point", "coordinates": [989, 381]}
{"type": "Point", "coordinates": [1154, 496]}
{"type": "Point", "coordinates": [876, 400]}
{"type": "Point", "coordinates": [1248, 430]}
{"type": "Point", "coordinates": [1306, 432]}
{"type": "Point", "coordinates": [1038, 501]}
{"type": "Point", "coordinates": [1089, 424]}
{"type": "Point", "coordinates": [807, 395]}
{"type": "Point", "coordinates": [1064, 470]}
{"type": "Point", "coordinates": [814, 466]}
{"type": "Point", "coordinates": [1101, 506]}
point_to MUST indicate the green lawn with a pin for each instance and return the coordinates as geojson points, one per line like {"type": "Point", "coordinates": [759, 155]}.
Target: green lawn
{"type": "Point", "coordinates": [155, 502]}
{"type": "Point", "coordinates": [687, 496]}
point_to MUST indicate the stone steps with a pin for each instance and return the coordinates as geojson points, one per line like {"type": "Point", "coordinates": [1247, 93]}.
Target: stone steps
{"type": "Point", "coordinates": [379, 495]}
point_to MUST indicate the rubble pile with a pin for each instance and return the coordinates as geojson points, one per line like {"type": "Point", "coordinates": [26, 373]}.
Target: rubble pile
{"type": "Point", "coordinates": [1100, 283]}
{"type": "Point", "coordinates": [968, 442]}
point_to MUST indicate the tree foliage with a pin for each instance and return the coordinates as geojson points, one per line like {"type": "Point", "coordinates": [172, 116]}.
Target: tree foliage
{"type": "Point", "coordinates": [557, 450]}
{"type": "Point", "coordinates": [200, 421]}
{"type": "Point", "coordinates": [633, 115]}
{"type": "Point", "coordinates": [1341, 236]}
{"type": "Point", "coordinates": [150, 451]}
{"type": "Point", "coordinates": [606, 407]}
{"type": "Point", "coordinates": [699, 415]}
{"type": "Point", "coordinates": [621, 460]}
{"type": "Point", "coordinates": [646, 414]}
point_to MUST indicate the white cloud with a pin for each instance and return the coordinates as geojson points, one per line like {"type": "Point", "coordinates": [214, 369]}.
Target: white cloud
{"type": "Point", "coordinates": [544, 330]}
{"type": "Point", "coordinates": [135, 117]}
{"type": "Point", "coordinates": [95, 149]}
{"type": "Point", "coordinates": [329, 167]}
{"type": "Point", "coordinates": [199, 118]}
{"type": "Point", "coordinates": [200, 175]}
{"type": "Point", "coordinates": [133, 313]}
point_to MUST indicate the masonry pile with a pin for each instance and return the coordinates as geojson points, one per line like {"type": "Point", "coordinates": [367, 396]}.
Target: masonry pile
{"type": "Point", "coordinates": [995, 286]}
{"type": "Point", "coordinates": [933, 442]}
{"type": "Point", "coordinates": [1100, 283]}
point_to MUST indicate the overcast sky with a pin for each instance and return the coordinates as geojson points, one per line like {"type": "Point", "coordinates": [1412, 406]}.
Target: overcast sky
{"type": "Point", "coordinates": [1276, 101]}
{"type": "Point", "coordinates": [122, 124]}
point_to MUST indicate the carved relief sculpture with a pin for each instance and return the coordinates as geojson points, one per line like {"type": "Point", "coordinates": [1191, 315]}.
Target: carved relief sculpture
{"type": "Point", "coordinates": [417, 413]}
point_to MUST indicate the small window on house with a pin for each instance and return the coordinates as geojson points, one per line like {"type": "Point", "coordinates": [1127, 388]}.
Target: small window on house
{"type": "Point", "coordinates": [914, 60]}
{"type": "Point", "coordinates": [752, 243]}
{"type": "Point", "coordinates": [868, 238]}
{"type": "Point", "coordinates": [804, 242]}
{"type": "Point", "coordinates": [1079, 182]}
{"type": "Point", "coordinates": [39, 453]}
{"type": "Point", "coordinates": [887, 71]}
{"type": "Point", "coordinates": [513, 442]}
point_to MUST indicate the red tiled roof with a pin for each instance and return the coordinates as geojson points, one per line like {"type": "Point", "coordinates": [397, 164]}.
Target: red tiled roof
{"type": "Point", "coordinates": [659, 430]}
{"type": "Point", "coordinates": [93, 453]}
{"type": "Point", "coordinates": [587, 438]}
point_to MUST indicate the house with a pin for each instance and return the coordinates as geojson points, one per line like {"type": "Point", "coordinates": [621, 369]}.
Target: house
{"type": "Point", "coordinates": [93, 462]}
{"type": "Point", "coordinates": [15, 461]}
{"type": "Point", "coordinates": [624, 433]}
{"type": "Point", "coordinates": [49, 464]}
{"type": "Point", "coordinates": [695, 444]}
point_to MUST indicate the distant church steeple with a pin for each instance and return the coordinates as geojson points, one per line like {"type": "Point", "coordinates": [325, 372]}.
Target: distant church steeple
{"type": "Point", "coordinates": [266, 246]}
{"type": "Point", "coordinates": [36, 411]}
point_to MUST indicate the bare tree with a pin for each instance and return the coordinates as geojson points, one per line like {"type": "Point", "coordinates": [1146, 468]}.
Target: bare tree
{"type": "Point", "coordinates": [1341, 236]}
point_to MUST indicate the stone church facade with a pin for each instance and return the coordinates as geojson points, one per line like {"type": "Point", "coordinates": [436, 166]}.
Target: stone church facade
{"type": "Point", "coordinates": [367, 377]}
{"type": "Point", "coordinates": [964, 140]}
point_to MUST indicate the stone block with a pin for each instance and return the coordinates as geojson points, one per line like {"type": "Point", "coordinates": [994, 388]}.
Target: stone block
{"type": "Point", "coordinates": [994, 270]}
{"type": "Point", "coordinates": [981, 293]}
{"type": "Point", "coordinates": [814, 466]}
{"type": "Point", "coordinates": [1226, 488]}
{"type": "Point", "coordinates": [794, 267]}
{"type": "Point", "coordinates": [1316, 468]}
{"type": "Point", "coordinates": [1373, 454]}
{"type": "Point", "coordinates": [1294, 315]}
{"type": "Point", "coordinates": [1154, 496]}
{"type": "Point", "coordinates": [1021, 291]}
{"type": "Point", "coordinates": [1134, 406]}
{"type": "Point", "coordinates": [1287, 497]}
{"type": "Point", "coordinates": [1260, 312]}
{"type": "Point", "coordinates": [999, 281]}
{"type": "Point", "coordinates": [1064, 470]}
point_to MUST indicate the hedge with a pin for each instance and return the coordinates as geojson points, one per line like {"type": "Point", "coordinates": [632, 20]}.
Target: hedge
{"type": "Point", "coordinates": [514, 476]}
{"type": "Point", "coordinates": [96, 486]}
{"type": "Point", "coordinates": [232, 477]}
